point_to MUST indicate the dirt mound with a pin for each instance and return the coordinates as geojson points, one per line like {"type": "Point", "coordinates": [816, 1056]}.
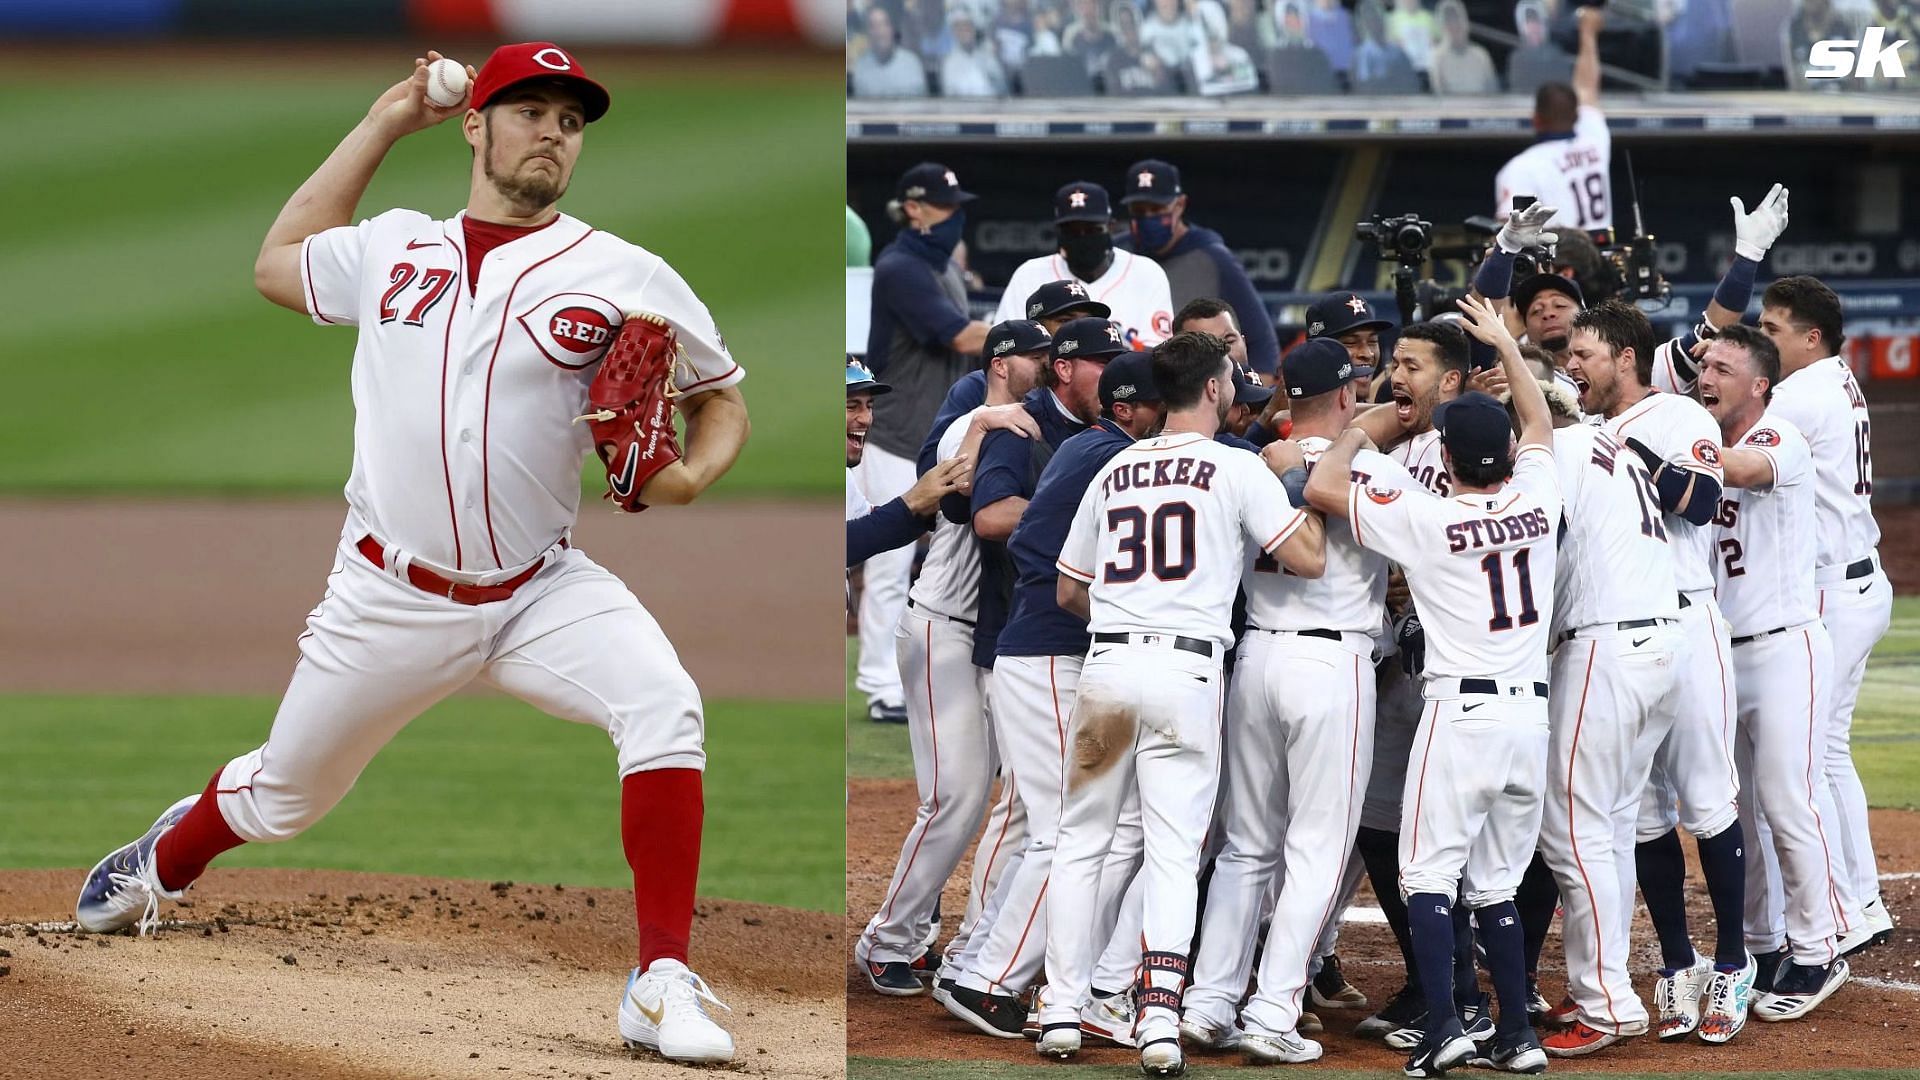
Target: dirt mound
{"type": "Point", "coordinates": [275, 973]}
{"type": "Point", "coordinates": [1871, 1023]}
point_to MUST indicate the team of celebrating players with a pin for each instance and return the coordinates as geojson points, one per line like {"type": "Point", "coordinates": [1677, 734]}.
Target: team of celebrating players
{"type": "Point", "coordinates": [1487, 642]}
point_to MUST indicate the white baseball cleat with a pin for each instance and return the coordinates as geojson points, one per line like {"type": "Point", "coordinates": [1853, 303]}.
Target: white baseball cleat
{"type": "Point", "coordinates": [1264, 1048]}
{"type": "Point", "coordinates": [662, 1011]}
{"type": "Point", "coordinates": [1162, 1057]}
{"type": "Point", "coordinates": [1207, 1037]}
{"type": "Point", "coordinates": [1729, 994]}
{"type": "Point", "coordinates": [122, 889]}
{"type": "Point", "coordinates": [1109, 1018]}
{"type": "Point", "coordinates": [1676, 998]}
{"type": "Point", "coordinates": [1059, 1041]}
{"type": "Point", "coordinates": [1796, 990]}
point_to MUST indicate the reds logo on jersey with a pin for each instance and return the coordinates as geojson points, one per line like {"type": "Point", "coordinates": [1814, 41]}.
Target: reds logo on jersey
{"type": "Point", "coordinates": [1707, 452]}
{"type": "Point", "coordinates": [572, 330]}
{"type": "Point", "coordinates": [1763, 437]}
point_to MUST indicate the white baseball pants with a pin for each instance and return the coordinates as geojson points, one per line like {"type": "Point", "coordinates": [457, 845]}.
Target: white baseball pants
{"type": "Point", "coordinates": [1147, 719]}
{"type": "Point", "coordinates": [1611, 707]}
{"type": "Point", "coordinates": [883, 477]}
{"type": "Point", "coordinates": [995, 858]}
{"type": "Point", "coordinates": [1856, 613]}
{"type": "Point", "coordinates": [573, 642]}
{"type": "Point", "coordinates": [953, 763]}
{"type": "Point", "coordinates": [1470, 818]}
{"type": "Point", "coordinates": [1693, 782]}
{"type": "Point", "coordinates": [1297, 767]}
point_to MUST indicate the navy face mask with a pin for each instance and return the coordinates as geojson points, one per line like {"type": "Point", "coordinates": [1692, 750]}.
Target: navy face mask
{"type": "Point", "coordinates": [946, 235]}
{"type": "Point", "coordinates": [1152, 233]}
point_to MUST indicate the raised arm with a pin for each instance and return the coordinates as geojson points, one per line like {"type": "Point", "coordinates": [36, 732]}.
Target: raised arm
{"type": "Point", "coordinates": [1529, 403]}
{"type": "Point", "coordinates": [328, 197]}
{"type": "Point", "coordinates": [1586, 63]}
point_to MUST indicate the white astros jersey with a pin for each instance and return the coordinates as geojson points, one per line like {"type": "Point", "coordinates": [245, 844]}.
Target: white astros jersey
{"type": "Point", "coordinates": [1569, 173]}
{"type": "Point", "coordinates": [1162, 530]}
{"type": "Point", "coordinates": [1764, 537]}
{"type": "Point", "coordinates": [1825, 403]}
{"type": "Point", "coordinates": [1615, 564]}
{"type": "Point", "coordinates": [1481, 567]}
{"type": "Point", "coordinates": [949, 581]}
{"type": "Point", "coordinates": [857, 504]}
{"type": "Point", "coordinates": [1686, 435]}
{"type": "Point", "coordinates": [1134, 286]}
{"type": "Point", "coordinates": [1349, 595]}
{"type": "Point", "coordinates": [1420, 456]}
{"type": "Point", "coordinates": [465, 453]}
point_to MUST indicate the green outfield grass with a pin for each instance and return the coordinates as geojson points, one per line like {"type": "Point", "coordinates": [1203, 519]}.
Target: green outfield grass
{"type": "Point", "coordinates": [139, 358]}
{"type": "Point", "coordinates": [900, 1069]}
{"type": "Point", "coordinates": [1886, 728]}
{"type": "Point", "coordinates": [481, 788]}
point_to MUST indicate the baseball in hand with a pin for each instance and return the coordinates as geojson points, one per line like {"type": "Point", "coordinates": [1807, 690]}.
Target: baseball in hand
{"type": "Point", "coordinates": [446, 82]}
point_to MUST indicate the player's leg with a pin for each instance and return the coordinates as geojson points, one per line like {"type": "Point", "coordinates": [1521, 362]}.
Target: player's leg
{"type": "Point", "coordinates": [1121, 868]}
{"type": "Point", "coordinates": [1099, 774]}
{"type": "Point", "coordinates": [1453, 779]}
{"type": "Point", "coordinates": [1252, 819]}
{"type": "Point", "coordinates": [1119, 964]}
{"type": "Point", "coordinates": [1397, 716]}
{"type": "Point", "coordinates": [1326, 757]}
{"type": "Point", "coordinates": [1178, 761]}
{"type": "Point", "coordinates": [376, 653]}
{"type": "Point", "coordinates": [1857, 614]}
{"type": "Point", "coordinates": [1033, 698]}
{"type": "Point", "coordinates": [1514, 745]}
{"type": "Point", "coordinates": [884, 582]}
{"type": "Point", "coordinates": [951, 754]}
{"type": "Point", "coordinates": [996, 858]}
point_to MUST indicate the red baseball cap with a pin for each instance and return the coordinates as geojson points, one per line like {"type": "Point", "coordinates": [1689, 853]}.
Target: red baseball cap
{"type": "Point", "coordinates": [511, 65]}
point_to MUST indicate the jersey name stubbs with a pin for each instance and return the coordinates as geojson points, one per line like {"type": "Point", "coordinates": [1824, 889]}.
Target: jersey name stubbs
{"type": "Point", "coordinates": [1497, 532]}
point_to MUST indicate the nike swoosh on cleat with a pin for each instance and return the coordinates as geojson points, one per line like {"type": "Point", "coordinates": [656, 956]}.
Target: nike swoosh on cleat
{"type": "Point", "coordinates": [654, 1014]}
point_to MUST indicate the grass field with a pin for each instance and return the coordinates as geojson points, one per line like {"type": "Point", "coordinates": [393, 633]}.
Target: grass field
{"type": "Point", "coordinates": [477, 788]}
{"type": "Point", "coordinates": [1886, 728]}
{"type": "Point", "coordinates": [140, 203]}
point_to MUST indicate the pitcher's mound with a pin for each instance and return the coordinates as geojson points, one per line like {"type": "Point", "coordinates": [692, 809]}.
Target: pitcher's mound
{"type": "Point", "coordinates": [284, 973]}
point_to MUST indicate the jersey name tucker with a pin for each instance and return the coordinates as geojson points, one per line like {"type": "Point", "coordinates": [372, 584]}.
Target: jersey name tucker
{"type": "Point", "coordinates": [1163, 473]}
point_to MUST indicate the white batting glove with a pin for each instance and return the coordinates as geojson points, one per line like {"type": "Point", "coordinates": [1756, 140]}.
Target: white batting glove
{"type": "Point", "coordinates": [1523, 229]}
{"type": "Point", "coordinates": [1754, 233]}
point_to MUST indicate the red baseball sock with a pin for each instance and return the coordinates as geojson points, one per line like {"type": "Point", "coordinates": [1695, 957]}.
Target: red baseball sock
{"type": "Point", "coordinates": [182, 853]}
{"type": "Point", "coordinates": [661, 811]}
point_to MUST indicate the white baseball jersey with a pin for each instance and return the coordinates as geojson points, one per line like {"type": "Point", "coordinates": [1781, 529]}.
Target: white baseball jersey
{"type": "Point", "coordinates": [1420, 456]}
{"type": "Point", "coordinates": [857, 504]}
{"type": "Point", "coordinates": [1825, 403]}
{"type": "Point", "coordinates": [1764, 537]}
{"type": "Point", "coordinates": [949, 581]}
{"type": "Point", "coordinates": [1684, 434]}
{"type": "Point", "coordinates": [1569, 173]}
{"type": "Point", "coordinates": [1481, 567]}
{"type": "Point", "coordinates": [1134, 286]}
{"type": "Point", "coordinates": [1161, 533]}
{"type": "Point", "coordinates": [465, 453]}
{"type": "Point", "coordinates": [1615, 564]}
{"type": "Point", "coordinates": [1349, 595]}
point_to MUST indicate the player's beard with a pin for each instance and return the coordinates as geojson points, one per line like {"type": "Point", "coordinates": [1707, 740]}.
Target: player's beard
{"type": "Point", "coordinates": [1557, 344]}
{"type": "Point", "coordinates": [525, 188]}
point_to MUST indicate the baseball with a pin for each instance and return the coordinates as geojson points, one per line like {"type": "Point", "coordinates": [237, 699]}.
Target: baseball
{"type": "Point", "coordinates": [446, 82]}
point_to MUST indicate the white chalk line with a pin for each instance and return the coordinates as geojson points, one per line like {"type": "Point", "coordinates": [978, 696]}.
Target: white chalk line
{"type": "Point", "coordinates": [1887, 984]}
{"type": "Point", "coordinates": [1905, 876]}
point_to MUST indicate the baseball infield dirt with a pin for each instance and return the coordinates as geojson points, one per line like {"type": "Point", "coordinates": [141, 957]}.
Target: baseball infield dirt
{"type": "Point", "coordinates": [1871, 1023]}
{"type": "Point", "coordinates": [356, 976]}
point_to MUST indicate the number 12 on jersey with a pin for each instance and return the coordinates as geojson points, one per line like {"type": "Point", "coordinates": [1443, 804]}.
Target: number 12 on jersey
{"type": "Point", "coordinates": [1494, 567]}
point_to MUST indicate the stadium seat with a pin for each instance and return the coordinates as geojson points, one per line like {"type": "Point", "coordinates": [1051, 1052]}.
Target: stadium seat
{"type": "Point", "coordinates": [1759, 31]}
{"type": "Point", "coordinates": [1399, 79]}
{"type": "Point", "coordinates": [1299, 70]}
{"type": "Point", "coordinates": [1055, 76]}
{"type": "Point", "coordinates": [1527, 69]}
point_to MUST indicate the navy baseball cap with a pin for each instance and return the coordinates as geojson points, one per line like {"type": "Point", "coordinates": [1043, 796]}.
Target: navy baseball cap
{"type": "Point", "coordinates": [1016, 336]}
{"type": "Point", "coordinates": [1474, 427]}
{"type": "Point", "coordinates": [1128, 378]}
{"type": "Point", "coordinates": [1151, 181]}
{"type": "Point", "coordinates": [1088, 339]}
{"type": "Point", "coordinates": [1247, 392]}
{"type": "Point", "coordinates": [1081, 201]}
{"type": "Point", "coordinates": [1336, 313]}
{"type": "Point", "coordinates": [1316, 366]}
{"type": "Point", "coordinates": [1530, 289]}
{"type": "Point", "coordinates": [933, 183]}
{"type": "Point", "coordinates": [861, 381]}
{"type": "Point", "coordinates": [1057, 296]}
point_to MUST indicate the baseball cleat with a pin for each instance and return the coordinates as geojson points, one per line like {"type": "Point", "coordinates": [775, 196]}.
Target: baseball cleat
{"type": "Point", "coordinates": [1879, 919]}
{"type": "Point", "coordinates": [883, 712]}
{"type": "Point", "coordinates": [1579, 1040]}
{"type": "Point", "coordinates": [1449, 1048]}
{"type": "Point", "coordinates": [1796, 990]}
{"type": "Point", "coordinates": [1162, 1057]}
{"type": "Point", "coordinates": [1059, 1041]}
{"type": "Point", "coordinates": [926, 966]}
{"type": "Point", "coordinates": [1406, 1008]}
{"type": "Point", "coordinates": [122, 889]}
{"type": "Point", "coordinates": [943, 992]}
{"type": "Point", "coordinates": [1310, 1024]}
{"type": "Point", "coordinates": [1537, 1007]}
{"type": "Point", "coordinates": [1207, 1037]}
{"type": "Point", "coordinates": [1331, 990]}
{"type": "Point", "coordinates": [1676, 998]}
{"type": "Point", "coordinates": [663, 1011]}
{"type": "Point", "coordinates": [893, 978]}
{"type": "Point", "coordinates": [1768, 964]}
{"type": "Point", "coordinates": [1728, 995]}
{"type": "Point", "coordinates": [1265, 1048]}
{"type": "Point", "coordinates": [1477, 1019]}
{"type": "Point", "coordinates": [1564, 1013]}
{"type": "Point", "coordinates": [1856, 939]}
{"type": "Point", "coordinates": [999, 1015]}
{"type": "Point", "coordinates": [1030, 1027]}
{"type": "Point", "coordinates": [1519, 1052]}
{"type": "Point", "coordinates": [1109, 1018]}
